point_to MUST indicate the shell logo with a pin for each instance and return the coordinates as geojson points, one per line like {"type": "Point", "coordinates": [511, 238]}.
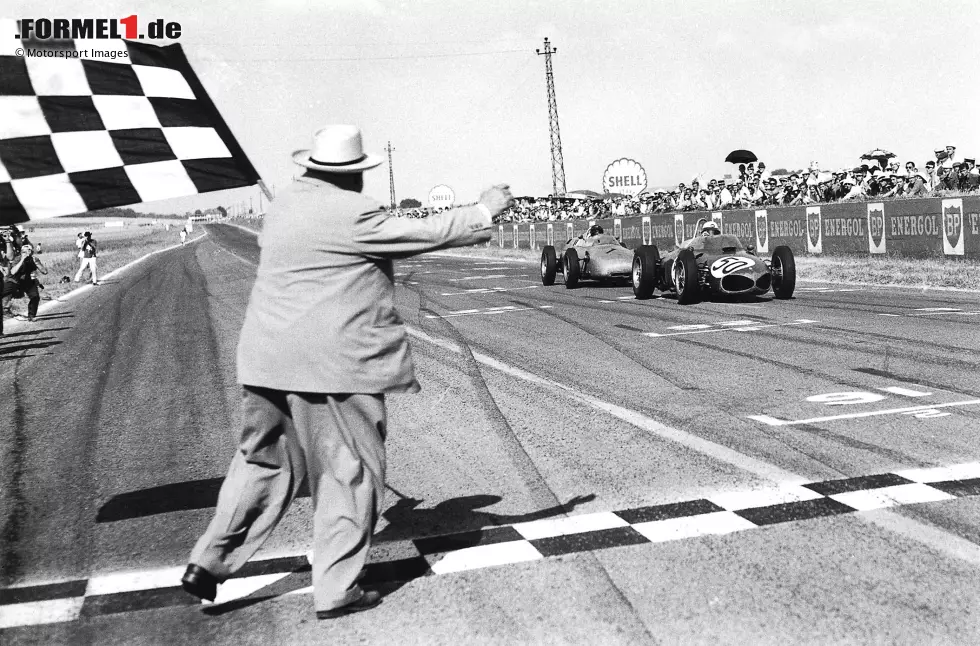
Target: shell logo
{"type": "Point", "coordinates": [625, 176]}
{"type": "Point", "coordinates": [441, 195]}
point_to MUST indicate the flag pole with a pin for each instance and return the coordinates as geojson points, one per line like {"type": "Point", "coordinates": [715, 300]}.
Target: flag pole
{"type": "Point", "coordinates": [265, 190]}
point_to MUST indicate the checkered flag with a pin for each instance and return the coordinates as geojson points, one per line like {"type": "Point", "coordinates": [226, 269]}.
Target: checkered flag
{"type": "Point", "coordinates": [90, 132]}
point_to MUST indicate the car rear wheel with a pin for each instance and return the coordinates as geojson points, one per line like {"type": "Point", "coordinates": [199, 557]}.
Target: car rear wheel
{"type": "Point", "coordinates": [686, 278]}
{"type": "Point", "coordinates": [549, 265]}
{"type": "Point", "coordinates": [646, 261]}
{"type": "Point", "coordinates": [783, 272]}
{"type": "Point", "coordinates": [570, 268]}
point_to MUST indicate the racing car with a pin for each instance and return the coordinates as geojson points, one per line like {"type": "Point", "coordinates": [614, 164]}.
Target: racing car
{"type": "Point", "coordinates": [592, 256]}
{"type": "Point", "coordinates": [712, 264]}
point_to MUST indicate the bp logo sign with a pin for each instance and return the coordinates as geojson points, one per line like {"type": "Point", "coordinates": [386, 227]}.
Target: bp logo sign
{"type": "Point", "coordinates": [762, 231]}
{"type": "Point", "coordinates": [624, 176]}
{"type": "Point", "coordinates": [953, 227]}
{"type": "Point", "coordinates": [876, 228]}
{"type": "Point", "coordinates": [678, 229]}
{"type": "Point", "coordinates": [814, 224]}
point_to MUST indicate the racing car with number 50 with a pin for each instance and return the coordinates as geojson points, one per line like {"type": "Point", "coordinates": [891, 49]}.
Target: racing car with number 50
{"type": "Point", "coordinates": [712, 264]}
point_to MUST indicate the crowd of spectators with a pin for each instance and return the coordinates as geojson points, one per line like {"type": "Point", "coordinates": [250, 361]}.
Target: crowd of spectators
{"type": "Point", "coordinates": [754, 186]}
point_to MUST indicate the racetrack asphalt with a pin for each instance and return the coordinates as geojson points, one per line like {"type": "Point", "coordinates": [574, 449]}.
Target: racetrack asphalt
{"type": "Point", "coordinates": [544, 410]}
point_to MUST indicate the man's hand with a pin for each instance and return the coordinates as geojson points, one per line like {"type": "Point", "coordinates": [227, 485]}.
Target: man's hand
{"type": "Point", "coordinates": [498, 199]}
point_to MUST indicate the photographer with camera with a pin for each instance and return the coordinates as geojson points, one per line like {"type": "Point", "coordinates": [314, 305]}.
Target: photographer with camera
{"type": "Point", "coordinates": [87, 254]}
{"type": "Point", "coordinates": [22, 281]}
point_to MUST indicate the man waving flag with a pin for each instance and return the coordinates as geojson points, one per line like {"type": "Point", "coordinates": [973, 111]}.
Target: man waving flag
{"type": "Point", "coordinates": [86, 125]}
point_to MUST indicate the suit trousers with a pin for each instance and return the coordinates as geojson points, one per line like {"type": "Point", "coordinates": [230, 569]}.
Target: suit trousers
{"type": "Point", "coordinates": [336, 443]}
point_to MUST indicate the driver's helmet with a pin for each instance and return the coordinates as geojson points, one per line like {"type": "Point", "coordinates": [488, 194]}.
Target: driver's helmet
{"type": "Point", "coordinates": [710, 229]}
{"type": "Point", "coordinates": [595, 230]}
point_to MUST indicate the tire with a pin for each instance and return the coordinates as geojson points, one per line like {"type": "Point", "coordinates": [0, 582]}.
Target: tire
{"type": "Point", "coordinates": [549, 265]}
{"type": "Point", "coordinates": [783, 272]}
{"type": "Point", "coordinates": [646, 263]}
{"type": "Point", "coordinates": [571, 268]}
{"type": "Point", "coordinates": [686, 278]}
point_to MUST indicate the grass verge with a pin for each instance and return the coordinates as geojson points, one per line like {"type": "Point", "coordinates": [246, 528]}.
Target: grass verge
{"type": "Point", "coordinates": [116, 249]}
{"type": "Point", "coordinates": [923, 273]}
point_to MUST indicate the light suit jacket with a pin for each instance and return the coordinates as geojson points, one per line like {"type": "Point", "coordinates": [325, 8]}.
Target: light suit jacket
{"type": "Point", "coordinates": [321, 317]}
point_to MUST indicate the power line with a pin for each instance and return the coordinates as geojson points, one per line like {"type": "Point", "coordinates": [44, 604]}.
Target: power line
{"type": "Point", "coordinates": [280, 59]}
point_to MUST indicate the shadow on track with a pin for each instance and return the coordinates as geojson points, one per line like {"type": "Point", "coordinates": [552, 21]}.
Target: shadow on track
{"type": "Point", "coordinates": [14, 350]}
{"type": "Point", "coordinates": [451, 525]}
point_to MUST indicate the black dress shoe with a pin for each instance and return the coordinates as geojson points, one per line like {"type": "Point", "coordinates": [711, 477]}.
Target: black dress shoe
{"type": "Point", "coordinates": [369, 600]}
{"type": "Point", "coordinates": [199, 582]}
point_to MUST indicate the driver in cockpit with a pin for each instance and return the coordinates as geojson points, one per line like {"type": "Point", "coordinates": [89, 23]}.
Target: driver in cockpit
{"type": "Point", "coordinates": [593, 231]}
{"type": "Point", "coordinates": [710, 229]}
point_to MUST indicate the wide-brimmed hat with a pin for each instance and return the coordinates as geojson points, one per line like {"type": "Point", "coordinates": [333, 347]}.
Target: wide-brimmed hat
{"type": "Point", "coordinates": [337, 149]}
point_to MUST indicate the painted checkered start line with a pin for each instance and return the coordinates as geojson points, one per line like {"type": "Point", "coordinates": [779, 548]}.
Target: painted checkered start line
{"type": "Point", "coordinates": [722, 513]}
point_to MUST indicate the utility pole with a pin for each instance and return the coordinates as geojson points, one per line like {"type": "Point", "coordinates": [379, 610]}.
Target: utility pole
{"type": "Point", "coordinates": [557, 163]}
{"type": "Point", "coordinates": [391, 175]}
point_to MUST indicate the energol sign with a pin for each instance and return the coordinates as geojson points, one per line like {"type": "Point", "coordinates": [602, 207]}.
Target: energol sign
{"type": "Point", "coordinates": [441, 195]}
{"type": "Point", "coordinates": [624, 176]}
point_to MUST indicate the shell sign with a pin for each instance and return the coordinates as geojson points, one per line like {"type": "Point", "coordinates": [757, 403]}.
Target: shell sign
{"type": "Point", "coordinates": [624, 176]}
{"type": "Point", "coordinates": [441, 195]}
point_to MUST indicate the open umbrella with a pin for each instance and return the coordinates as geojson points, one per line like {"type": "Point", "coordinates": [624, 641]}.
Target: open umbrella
{"type": "Point", "coordinates": [741, 157]}
{"type": "Point", "coordinates": [878, 153]}
{"type": "Point", "coordinates": [879, 156]}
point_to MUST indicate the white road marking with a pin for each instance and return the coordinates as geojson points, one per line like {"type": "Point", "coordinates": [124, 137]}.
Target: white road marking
{"type": "Point", "coordinates": [493, 310]}
{"type": "Point", "coordinates": [672, 529]}
{"type": "Point", "coordinates": [626, 298]}
{"type": "Point", "coordinates": [773, 421]}
{"type": "Point", "coordinates": [693, 326]}
{"type": "Point", "coordinates": [736, 500]}
{"type": "Point", "coordinates": [937, 309]}
{"type": "Point", "coordinates": [481, 556]}
{"type": "Point", "coordinates": [907, 494]}
{"type": "Point", "coordinates": [36, 613]}
{"type": "Point", "coordinates": [491, 277]}
{"type": "Point", "coordinates": [569, 525]}
{"type": "Point", "coordinates": [727, 329]}
{"type": "Point", "coordinates": [129, 581]}
{"type": "Point", "coordinates": [766, 419]}
{"type": "Point", "coordinates": [908, 392]}
{"type": "Point", "coordinates": [487, 290]}
{"type": "Point", "coordinates": [889, 314]}
{"type": "Point", "coordinates": [240, 588]}
{"type": "Point", "coordinates": [738, 323]}
{"type": "Point", "coordinates": [966, 471]}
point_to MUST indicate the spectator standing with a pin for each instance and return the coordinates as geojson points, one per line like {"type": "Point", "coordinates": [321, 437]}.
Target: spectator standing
{"type": "Point", "coordinates": [183, 235]}
{"type": "Point", "coordinates": [22, 280]}
{"type": "Point", "coordinates": [931, 177]}
{"type": "Point", "coordinates": [951, 162]}
{"type": "Point", "coordinates": [725, 198]}
{"type": "Point", "coordinates": [89, 254]}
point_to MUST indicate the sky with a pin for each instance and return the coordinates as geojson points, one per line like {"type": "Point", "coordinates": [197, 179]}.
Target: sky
{"type": "Point", "coordinates": [458, 90]}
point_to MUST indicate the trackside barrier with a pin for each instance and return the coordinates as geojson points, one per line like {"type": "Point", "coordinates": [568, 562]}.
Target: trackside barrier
{"type": "Point", "coordinates": [914, 228]}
